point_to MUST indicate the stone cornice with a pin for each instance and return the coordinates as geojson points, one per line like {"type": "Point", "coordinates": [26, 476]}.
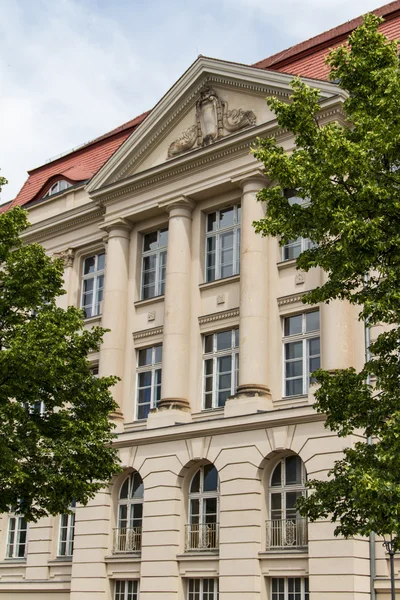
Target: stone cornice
{"type": "Point", "coordinates": [292, 299]}
{"type": "Point", "coordinates": [220, 426]}
{"type": "Point", "coordinates": [63, 222]}
{"type": "Point", "coordinates": [145, 333]}
{"type": "Point", "coordinates": [219, 316]}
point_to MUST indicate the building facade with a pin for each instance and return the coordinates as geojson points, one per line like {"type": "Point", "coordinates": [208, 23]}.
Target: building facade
{"type": "Point", "coordinates": [214, 348]}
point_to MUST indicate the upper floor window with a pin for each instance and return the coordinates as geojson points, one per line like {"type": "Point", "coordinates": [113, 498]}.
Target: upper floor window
{"type": "Point", "coordinates": [130, 511]}
{"type": "Point", "coordinates": [294, 248]}
{"type": "Point", "coordinates": [93, 284]}
{"type": "Point", "coordinates": [221, 367]}
{"type": "Point", "coordinates": [202, 589]}
{"type": "Point", "coordinates": [301, 348]}
{"type": "Point", "coordinates": [290, 588]}
{"type": "Point", "coordinates": [126, 590]}
{"type": "Point", "coordinates": [67, 531]}
{"type": "Point", "coordinates": [154, 263]}
{"type": "Point", "coordinates": [57, 187]}
{"type": "Point", "coordinates": [148, 380]}
{"type": "Point", "coordinates": [202, 531]}
{"type": "Point", "coordinates": [223, 243]}
{"type": "Point", "coordinates": [17, 536]}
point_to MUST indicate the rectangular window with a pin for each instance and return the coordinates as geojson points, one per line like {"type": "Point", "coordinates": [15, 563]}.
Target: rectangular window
{"type": "Point", "coordinates": [290, 588]}
{"type": "Point", "coordinates": [221, 367]}
{"type": "Point", "coordinates": [154, 263]}
{"type": "Point", "coordinates": [67, 530]}
{"type": "Point", "coordinates": [301, 351]}
{"type": "Point", "coordinates": [223, 243]}
{"type": "Point", "coordinates": [126, 590]}
{"type": "Point", "coordinates": [148, 384]}
{"type": "Point", "coordinates": [93, 285]}
{"type": "Point", "coordinates": [294, 248]}
{"type": "Point", "coordinates": [202, 589]}
{"type": "Point", "coordinates": [17, 537]}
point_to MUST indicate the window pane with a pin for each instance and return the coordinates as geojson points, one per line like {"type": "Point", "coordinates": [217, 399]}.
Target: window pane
{"type": "Point", "coordinates": [88, 285]}
{"type": "Point", "coordinates": [294, 387]}
{"type": "Point", "coordinates": [208, 343]}
{"type": "Point", "coordinates": [145, 357]}
{"type": "Point", "coordinates": [89, 265]}
{"type": "Point", "coordinates": [313, 347]}
{"type": "Point", "coordinates": [137, 486]}
{"type": "Point", "coordinates": [293, 350]}
{"type": "Point", "coordinates": [294, 369]}
{"type": "Point", "coordinates": [144, 379]}
{"type": "Point", "coordinates": [150, 241]}
{"type": "Point", "coordinates": [276, 478]}
{"type": "Point", "coordinates": [292, 249]}
{"type": "Point", "coordinates": [293, 470]}
{"type": "Point", "coordinates": [293, 325]}
{"type": "Point", "coordinates": [212, 221]}
{"type": "Point", "coordinates": [226, 217]}
{"type": "Point", "coordinates": [163, 238]}
{"type": "Point", "coordinates": [222, 397]}
{"type": "Point", "coordinates": [312, 321]}
{"type": "Point", "coordinates": [195, 487]}
{"type": "Point", "coordinates": [158, 354]}
{"type": "Point", "coordinates": [210, 478]}
{"type": "Point", "coordinates": [224, 340]}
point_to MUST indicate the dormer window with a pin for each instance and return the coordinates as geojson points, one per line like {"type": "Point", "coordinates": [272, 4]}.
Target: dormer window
{"type": "Point", "coordinates": [57, 187]}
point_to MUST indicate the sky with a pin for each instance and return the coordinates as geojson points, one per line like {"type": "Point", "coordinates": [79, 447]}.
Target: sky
{"type": "Point", "coordinates": [71, 70]}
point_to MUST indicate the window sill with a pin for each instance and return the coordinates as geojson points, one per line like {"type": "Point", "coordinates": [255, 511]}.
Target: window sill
{"type": "Point", "coordinates": [286, 264]}
{"type": "Point", "coordinates": [139, 425]}
{"type": "Point", "coordinates": [218, 282]}
{"type": "Point", "coordinates": [280, 553]}
{"type": "Point", "coordinates": [123, 556]}
{"type": "Point", "coordinates": [294, 400]}
{"type": "Point", "coordinates": [208, 413]}
{"type": "Point", "coordinates": [64, 560]}
{"type": "Point", "coordinates": [203, 554]}
{"type": "Point", "coordinates": [14, 561]}
{"type": "Point", "coordinates": [89, 320]}
{"type": "Point", "coordinates": [148, 301]}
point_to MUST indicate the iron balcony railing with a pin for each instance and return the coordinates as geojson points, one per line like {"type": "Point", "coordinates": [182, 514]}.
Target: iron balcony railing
{"type": "Point", "coordinates": [128, 539]}
{"type": "Point", "coordinates": [203, 537]}
{"type": "Point", "coordinates": [287, 533]}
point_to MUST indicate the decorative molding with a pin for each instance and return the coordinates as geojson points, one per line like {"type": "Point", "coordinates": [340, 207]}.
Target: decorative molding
{"type": "Point", "coordinates": [220, 298]}
{"type": "Point", "coordinates": [145, 333]}
{"type": "Point", "coordinates": [67, 256]}
{"type": "Point", "coordinates": [151, 315]}
{"type": "Point", "coordinates": [292, 299]}
{"type": "Point", "coordinates": [212, 118]}
{"type": "Point", "coordinates": [299, 278]}
{"type": "Point", "coordinates": [219, 316]}
{"type": "Point", "coordinates": [51, 226]}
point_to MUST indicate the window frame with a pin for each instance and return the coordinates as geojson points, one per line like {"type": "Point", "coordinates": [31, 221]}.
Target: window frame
{"type": "Point", "coordinates": [70, 528]}
{"type": "Point", "coordinates": [125, 594]}
{"type": "Point", "coordinates": [214, 356]}
{"type": "Point", "coordinates": [153, 368]}
{"type": "Point", "coordinates": [202, 495]}
{"type": "Point", "coordinates": [284, 595]}
{"type": "Point", "coordinates": [217, 233]}
{"type": "Point", "coordinates": [305, 337]}
{"type": "Point", "coordinates": [14, 537]}
{"type": "Point", "coordinates": [159, 283]}
{"type": "Point", "coordinates": [200, 593]}
{"type": "Point", "coordinates": [96, 274]}
{"type": "Point", "coordinates": [305, 244]}
{"type": "Point", "coordinates": [58, 188]}
{"type": "Point", "coordinates": [285, 487]}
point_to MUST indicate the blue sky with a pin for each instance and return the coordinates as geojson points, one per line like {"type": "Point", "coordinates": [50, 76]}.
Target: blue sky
{"type": "Point", "coordinates": [71, 70]}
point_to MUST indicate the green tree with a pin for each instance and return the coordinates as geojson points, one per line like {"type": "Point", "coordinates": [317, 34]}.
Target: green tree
{"type": "Point", "coordinates": [50, 457]}
{"type": "Point", "coordinates": [350, 179]}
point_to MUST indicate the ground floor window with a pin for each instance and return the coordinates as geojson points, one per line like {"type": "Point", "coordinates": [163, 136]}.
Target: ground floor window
{"type": "Point", "coordinates": [17, 536]}
{"type": "Point", "coordinates": [202, 589]}
{"type": "Point", "coordinates": [290, 588]}
{"type": "Point", "coordinates": [126, 590]}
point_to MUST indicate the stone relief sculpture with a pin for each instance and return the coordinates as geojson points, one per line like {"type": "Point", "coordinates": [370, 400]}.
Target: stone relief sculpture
{"type": "Point", "coordinates": [213, 119]}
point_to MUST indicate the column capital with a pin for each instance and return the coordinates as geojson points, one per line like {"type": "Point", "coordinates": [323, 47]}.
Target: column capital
{"type": "Point", "coordinates": [67, 256]}
{"type": "Point", "coordinates": [180, 206]}
{"type": "Point", "coordinates": [254, 176]}
{"type": "Point", "coordinates": [118, 227]}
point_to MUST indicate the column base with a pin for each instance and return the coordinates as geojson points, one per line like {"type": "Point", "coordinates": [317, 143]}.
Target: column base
{"type": "Point", "coordinates": [170, 411]}
{"type": "Point", "coordinates": [249, 399]}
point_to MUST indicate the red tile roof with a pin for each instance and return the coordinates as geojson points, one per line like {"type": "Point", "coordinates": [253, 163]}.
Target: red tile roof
{"type": "Point", "coordinates": [308, 58]}
{"type": "Point", "coordinates": [79, 165]}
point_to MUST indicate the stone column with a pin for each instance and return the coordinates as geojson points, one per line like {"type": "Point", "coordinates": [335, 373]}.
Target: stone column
{"type": "Point", "coordinates": [253, 391]}
{"type": "Point", "coordinates": [115, 305]}
{"type": "Point", "coordinates": [175, 361]}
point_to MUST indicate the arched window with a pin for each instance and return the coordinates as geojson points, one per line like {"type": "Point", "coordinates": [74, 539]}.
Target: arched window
{"type": "Point", "coordinates": [287, 484]}
{"type": "Point", "coordinates": [130, 511]}
{"type": "Point", "coordinates": [202, 530]}
{"type": "Point", "coordinates": [57, 187]}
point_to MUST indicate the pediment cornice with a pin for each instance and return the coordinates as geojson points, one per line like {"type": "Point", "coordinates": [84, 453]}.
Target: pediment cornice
{"type": "Point", "coordinates": [181, 98]}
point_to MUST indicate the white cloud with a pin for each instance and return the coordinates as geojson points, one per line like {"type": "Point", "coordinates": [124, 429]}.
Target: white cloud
{"type": "Point", "coordinates": [71, 70]}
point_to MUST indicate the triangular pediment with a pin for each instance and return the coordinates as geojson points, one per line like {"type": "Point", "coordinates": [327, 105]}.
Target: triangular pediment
{"type": "Point", "coordinates": [211, 102]}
